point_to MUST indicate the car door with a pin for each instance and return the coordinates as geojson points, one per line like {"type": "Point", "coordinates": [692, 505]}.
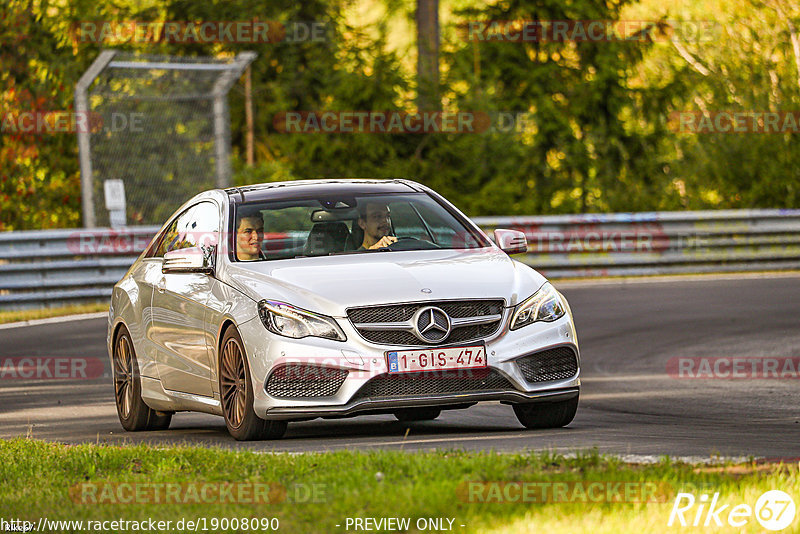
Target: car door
{"type": "Point", "coordinates": [179, 306]}
{"type": "Point", "coordinates": [148, 277]}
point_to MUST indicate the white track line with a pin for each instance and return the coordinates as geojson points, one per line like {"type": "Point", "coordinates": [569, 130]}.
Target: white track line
{"type": "Point", "coordinates": [671, 278]}
{"type": "Point", "coordinates": [54, 320]}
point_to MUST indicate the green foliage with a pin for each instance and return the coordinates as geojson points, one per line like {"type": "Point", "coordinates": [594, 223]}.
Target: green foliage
{"type": "Point", "coordinates": [598, 136]}
{"type": "Point", "coordinates": [749, 66]}
{"type": "Point", "coordinates": [39, 184]}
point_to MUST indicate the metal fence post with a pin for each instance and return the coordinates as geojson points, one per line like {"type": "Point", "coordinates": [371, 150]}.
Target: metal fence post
{"type": "Point", "coordinates": [84, 149]}
{"type": "Point", "coordinates": [221, 117]}
{"type": "Point", "coordinates": [221, 136]}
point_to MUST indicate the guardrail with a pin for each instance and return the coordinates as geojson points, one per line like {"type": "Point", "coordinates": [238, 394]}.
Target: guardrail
{"type": "Point", "coordinates": [649, 243]}
{"type": "Point", "coordinates": [45, 268]}
{"type": "Point", "coordinates": [57, 267]}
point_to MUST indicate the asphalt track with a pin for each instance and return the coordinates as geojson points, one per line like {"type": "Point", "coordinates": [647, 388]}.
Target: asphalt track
{"type": "Point", "coordinates": [630, 405]}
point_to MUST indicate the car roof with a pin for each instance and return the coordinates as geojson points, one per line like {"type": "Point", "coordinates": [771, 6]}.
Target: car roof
{"type": "Point", "coordinates": [301, 189]}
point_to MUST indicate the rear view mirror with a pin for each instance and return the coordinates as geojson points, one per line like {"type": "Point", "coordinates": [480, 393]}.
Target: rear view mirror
{"type": "Point", "coordinates": [511, 241]}
{"type": "Point", "coordinates": [339, 214]}
{"type": "Point", "coordinates": [189, 260]}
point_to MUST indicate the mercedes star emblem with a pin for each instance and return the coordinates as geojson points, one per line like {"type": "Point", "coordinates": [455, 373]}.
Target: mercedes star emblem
{"type": "Point", "coordinates": [431, 324]}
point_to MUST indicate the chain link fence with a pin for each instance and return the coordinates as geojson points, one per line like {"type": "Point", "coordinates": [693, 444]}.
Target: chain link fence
{"type": "Point", "coordinates": [160, 124]}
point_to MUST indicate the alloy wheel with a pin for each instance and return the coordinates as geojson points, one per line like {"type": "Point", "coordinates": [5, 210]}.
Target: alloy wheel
{"type": "Point", "coordinates": [123, 376]}
{"type": "Point", "coordinates": [234, 383]}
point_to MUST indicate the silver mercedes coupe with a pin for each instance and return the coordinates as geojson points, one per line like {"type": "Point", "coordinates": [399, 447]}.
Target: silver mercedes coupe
{"type": "Point", "coordinates": [291, 301]}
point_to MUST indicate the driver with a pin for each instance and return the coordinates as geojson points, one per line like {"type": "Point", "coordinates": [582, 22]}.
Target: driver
{"type": "Point", "coordinates": [374, 219]}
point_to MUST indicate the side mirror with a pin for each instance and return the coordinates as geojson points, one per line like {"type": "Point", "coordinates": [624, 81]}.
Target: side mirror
{"type": "Point", "coordinates": [189, 260]}
{"type": "Point", "coordinates": [511, 241]}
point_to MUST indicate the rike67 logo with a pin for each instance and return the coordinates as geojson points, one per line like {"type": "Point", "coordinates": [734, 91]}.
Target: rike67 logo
{"type": "Point", "coordinates": [774, 510]}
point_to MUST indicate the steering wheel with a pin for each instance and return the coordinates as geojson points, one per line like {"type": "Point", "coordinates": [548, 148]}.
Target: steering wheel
{"type": "Point", "coordinates": [412, 243]}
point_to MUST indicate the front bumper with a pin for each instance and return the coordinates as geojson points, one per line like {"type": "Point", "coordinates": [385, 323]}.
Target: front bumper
{"type": "Point", "coordinates": [365, 361]}
{"type": "Point", "coordinates": [377, 406]}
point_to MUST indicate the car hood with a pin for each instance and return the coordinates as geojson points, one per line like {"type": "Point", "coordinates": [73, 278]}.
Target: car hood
{"type": "Point", "coordinates": [331, 284]}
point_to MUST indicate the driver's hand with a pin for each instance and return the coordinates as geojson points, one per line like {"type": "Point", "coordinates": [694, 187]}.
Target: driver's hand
{"type": "Point", "coordinates": [385, 241]}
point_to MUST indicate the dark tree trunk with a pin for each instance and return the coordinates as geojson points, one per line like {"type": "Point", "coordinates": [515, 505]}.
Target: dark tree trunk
{"type": "Point", "coordinates": [428, 55]}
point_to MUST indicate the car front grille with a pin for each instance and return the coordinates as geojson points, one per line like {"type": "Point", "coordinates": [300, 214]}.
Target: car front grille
{"type": "Point", "coordinates": [558, 363]}
{"type": "Point", "coordinates": [302, 381]}
{"type": "Point", "coordinates": [399, 319]}
{"type": "Point", "coordinates": [432, 383]}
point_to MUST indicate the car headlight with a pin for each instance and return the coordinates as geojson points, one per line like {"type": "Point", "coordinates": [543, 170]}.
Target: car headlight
{"type": "Point", "coordinates": [286, 320]}
{"type": "Point", "coordinates": [545, 305]}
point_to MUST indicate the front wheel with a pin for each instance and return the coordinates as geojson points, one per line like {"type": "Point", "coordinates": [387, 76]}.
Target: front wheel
{"type": "Point", "coordinates": [547, 414]}
{"type": "Point", "coordinates": [133, 413]}
{"type": "Point", "coordinates": [236, 394]}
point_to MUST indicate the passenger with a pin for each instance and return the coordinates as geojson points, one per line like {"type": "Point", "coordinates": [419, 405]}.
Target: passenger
{"type": "Point", "coordinates": [249, 235]}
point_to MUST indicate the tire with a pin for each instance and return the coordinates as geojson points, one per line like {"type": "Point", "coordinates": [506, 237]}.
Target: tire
{"type": "Point", "coordinates": [408, 415]}
{"type": "Point", "coordinates": [236, 393]}
{"type": "Point", "coordinates": [547, 414]}
{"type": "Point", "coordinates": [133, 413]}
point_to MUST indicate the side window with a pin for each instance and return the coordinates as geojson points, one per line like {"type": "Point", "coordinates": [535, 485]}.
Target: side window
{"type": "Point", "coordinates": [198, 226]}
{"type": "Point", "coordinates": [203, 228]}
{"type": "Point", "coordinates": [164, 240]}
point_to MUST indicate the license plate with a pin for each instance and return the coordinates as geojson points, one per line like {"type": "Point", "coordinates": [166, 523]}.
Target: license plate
{"type": "Point", "coordinates": [410, 361]}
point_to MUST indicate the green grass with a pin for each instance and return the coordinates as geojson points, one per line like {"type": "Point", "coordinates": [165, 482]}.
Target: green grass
{"type": "Point", "coordinates": [37, 478]}
{"type": "Point", "coordinates": [13, 316]}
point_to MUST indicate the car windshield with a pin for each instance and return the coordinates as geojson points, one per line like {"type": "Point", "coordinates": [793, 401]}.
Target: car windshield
{"type": "Point", "coordinates": [354, 225]}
